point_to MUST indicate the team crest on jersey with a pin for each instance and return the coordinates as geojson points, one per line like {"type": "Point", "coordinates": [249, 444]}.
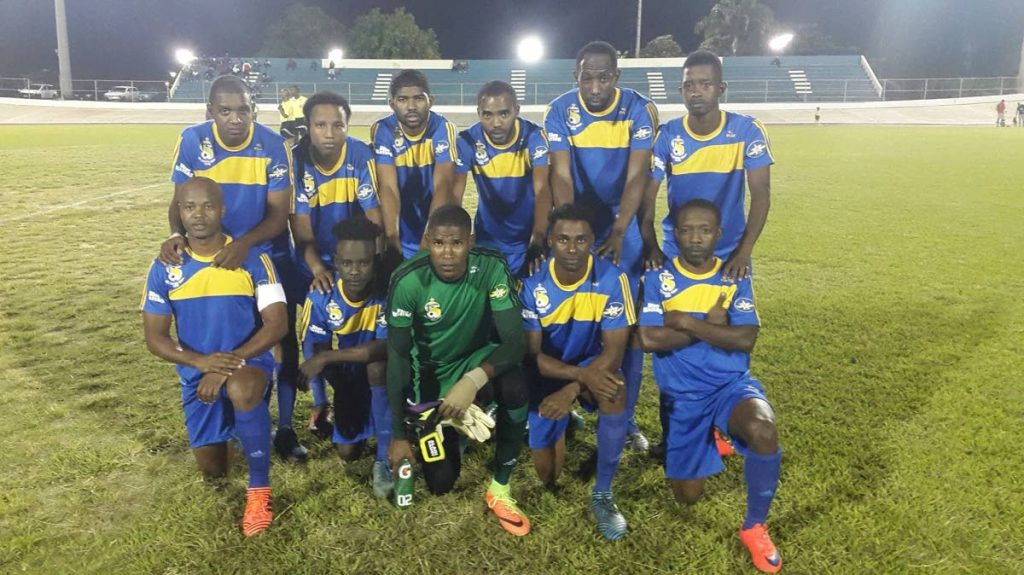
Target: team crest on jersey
{"type": "Point", "coordinates": [499, 291]}
{"type": "Point", "coordinates": [308, 183]}
{"type": "Point", "coordinates": [333, 313]}
{"type": "Point", "coordinates": [174, 276]}
{"type": "Point", "coordinates": [432, 309]}
{"type": "Point", "coordinates": [744, 305]}
{"type": "Point", "coordinates": [399, 140]}
{"type": "Point", "coordinates": [756, 149]}
{"type": "Point", "coordinates": [678, 149]}
{"type": "Point", "coordinates": [613, 310]}
{"type": "Point", "coordinates": [206, 151]}
{"type": "Point", "coordinates": [668, 283]}
{"type": "Point", "coordinates": [481, 154]}
{"type": "Point", "coordinates": [573, 119]}
{"type": "Point", "coordinates": [364, 192]}
{"type": "Point", "coordinates": [540, 297]}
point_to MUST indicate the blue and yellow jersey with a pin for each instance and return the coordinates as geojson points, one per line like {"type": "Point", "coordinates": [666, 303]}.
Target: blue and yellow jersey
{"type": "Point", "coordinates": [335, 193]}
{"type": "Point", "coordinates": [599, 145]}
{"type": "Point", "coordinates": [214, 309]}
{"type": "Point", "coordinates": [699, 368]}
{"type": "Point", "coordinates": [259, 166]}
{"type": "Point", "coordinates": [414, 161]}
{"type": "Point", "coordinates": [332, 318]}
{"type": "Point", "coordinates": [504, 183]}
{"type": "Point", "coordinates": [711, 167]}
{"type": "Point", "coordinates": [572, 317]}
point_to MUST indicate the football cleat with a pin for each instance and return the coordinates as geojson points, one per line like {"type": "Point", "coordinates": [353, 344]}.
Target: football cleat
{"type": "Point", "coordinates": [258, 511]}
{"type": "Point", "coordinates": [762, 551]}
{"type": "Point", "coordinates": [511, 518]}
{"type": "Point", "coordinates": [610, 521]}
{"type": "Point", "coordinates": [288, 446]}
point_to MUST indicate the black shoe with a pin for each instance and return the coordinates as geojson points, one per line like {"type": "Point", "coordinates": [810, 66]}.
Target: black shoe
{"type": "Point", "coordinates": [658, 452]}
{"type": "Point", "coordinates": [588, 467]}
{"type": "Point", "coordinates": [288, 446]}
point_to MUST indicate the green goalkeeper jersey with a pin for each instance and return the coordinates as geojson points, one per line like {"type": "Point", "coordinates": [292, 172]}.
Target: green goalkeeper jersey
{"type": "Point", "coordinates": [452, 323]}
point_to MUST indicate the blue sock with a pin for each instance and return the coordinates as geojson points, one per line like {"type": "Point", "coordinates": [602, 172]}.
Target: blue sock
{"type": "Point", "coordinates": [761, 473]}
{"type": "Point", "coordinates": [319, 389]}
{"type": "Point", "coordinates": [381, 412]}
{"type": "Point", "coordinates": [611, 437]}
{"type": "Point", "coordinates": [632, 371]}
{"type": "Point", "coordinates": [253, 430]}
{"type": "Point", "coordinates": [285, 401]}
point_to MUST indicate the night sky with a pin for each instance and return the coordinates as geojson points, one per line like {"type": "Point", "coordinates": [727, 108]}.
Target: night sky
{"type": "Point", "coordinates": [134, 39]}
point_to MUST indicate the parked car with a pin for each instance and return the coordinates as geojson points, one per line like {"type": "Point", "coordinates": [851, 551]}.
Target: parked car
{"type": "Point", "coordinates": [126, 94]}
{"type": "Point", "coordinates": [43, 91]}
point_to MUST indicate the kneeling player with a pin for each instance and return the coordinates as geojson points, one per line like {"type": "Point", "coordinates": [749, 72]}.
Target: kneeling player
{"type": "Point", "coordinates": [701, 329]}
{"type": "Point", "coordinates": [223, 347]}
{"type": "Point", "coordinates": [578, 312]}
{"type": "Point", "coordinates": [343, 336]}
{"type": "Point", "coordinates": [454, 308]}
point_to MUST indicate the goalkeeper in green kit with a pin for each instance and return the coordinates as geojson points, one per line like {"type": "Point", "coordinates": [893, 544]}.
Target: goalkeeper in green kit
{"type": "Point", "coordinates": [455, 334]}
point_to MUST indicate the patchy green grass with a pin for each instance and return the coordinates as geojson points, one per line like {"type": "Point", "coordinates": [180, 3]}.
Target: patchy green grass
{"type": "Point", "coordinates": [892, 296]}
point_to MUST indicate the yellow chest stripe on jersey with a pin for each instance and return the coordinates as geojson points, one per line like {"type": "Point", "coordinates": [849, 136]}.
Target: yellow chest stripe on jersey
{"type": "Point", "coordinates": [417, 155]}
{"type": "Point", "coordinates": [578, 307]}
{"type": "Point", "coordinates": [335, 191]}
{"type": "Point", "coordinates": [213, 281]}
{"type": "Point", "coordinates": [609, 135]}
{"type": "Point", "coordinates": [699, 298]}
{"type": "Point", "coordinates": [717, 159]}
{"type": "Point", "coordinates": [363, 320]}
{"type": "Point", "coordinates": [507, 165]}
{"type": "Point", "coordinates": [238, 170]}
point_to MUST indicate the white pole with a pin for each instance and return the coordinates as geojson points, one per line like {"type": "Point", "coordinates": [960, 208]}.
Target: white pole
{"type": "Point", "coordinates": [63, 50]}
{"type": "Point", "coordinates": [639, 20]}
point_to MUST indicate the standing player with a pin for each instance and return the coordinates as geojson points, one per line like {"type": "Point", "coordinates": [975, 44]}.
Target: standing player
{"type": "Point", "coordinates": [508, 157]}
{"type": "Point", "coordinates": [223, 345]}
{"type": "Point", "coordinates": [701, 327]}
{"type": "Point", "coordinates": [343, 336]}
{"type": "Point", "coordinates": [253, 167]}
{"type": "Point", "coordinates": [601, 138]}
{"type": "Point", "coordinates": [415, 161]}
{"type": "Point", "coordinates": [455, 333]}
{"type": "Point", "coordinates": [578, 312]}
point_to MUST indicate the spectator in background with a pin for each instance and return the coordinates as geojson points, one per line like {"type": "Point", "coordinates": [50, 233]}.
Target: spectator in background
{"type": "Point", "coordinates": [1001, 113]}
{"type": "Point", "coordinates": [1019, 119]}
{"type": "Point", "coordinates": [266, 62]}
{"type": "Point", "coordinates": [817, 115]}
{"type": "Point", "coordinates": [246, 67]}
{"type": "Point", "coordinates": [314, 65]}
{"type": "Point", "coordinates": [331, 74]}
{"type": "Point", "coordinates": [291, 65]}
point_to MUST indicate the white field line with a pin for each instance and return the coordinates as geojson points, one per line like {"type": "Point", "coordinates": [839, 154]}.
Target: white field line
{"type": "Point", "coordinates": [80, 203]}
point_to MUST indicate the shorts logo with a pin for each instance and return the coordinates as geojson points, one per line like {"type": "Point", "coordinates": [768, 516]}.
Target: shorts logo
{"type": "Point", "coordinates": [155, 297]}
{"type": "Point", "coordinates": [206, 152]}
{"type": "Point", "coordinates": [539, 152]}
{"type": "Point", "coordinates": [613, 310]}
{"type": "Point", "coordinates": [399, 312]}
{"type": "Point", "coordinates": [499, 291]}
{"type": "Point", "coordinates": [481, 154]}
{"type": "Point", "coordinates": [308, 183]}
{"type": "Point", "coordinates": [174, 275]}
{"type": "Point", "coordinates": [383, 151]}
{"type": "Point", "coordinates": [364, 192]}
{"type": "Point", "coordinates": [652, 308]}
{"type": "Point", "coordinates": [432, 309]}
{"type": "Point", "coordinates": [643, 133]}
{"type": "Point", "coordinates": [678, 149]}
{"type": "Point", "coordinates": [441, 148]}
{"type": "Point", "coordinates": [279, 171]}
{"type": "Point", "coordinates": [756, 149]}
{"type": "Point", "coordinates": [333, 313]}
{"type": "Point", "coordinates": [743, 304]}
{"type": "Point", "coordinates": [540, 297]}
{"type": "Point", "coordinates": [183, 169]}
{"type": "Point", "coordinates": [573, 118]}
{"type": "Point", "coordinates": [668, 283]}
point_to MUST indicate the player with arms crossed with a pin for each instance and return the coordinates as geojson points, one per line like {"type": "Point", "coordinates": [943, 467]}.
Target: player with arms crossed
{"type": "Point", "coordinates": [455, 334]}
{"type": "Point", "coordinates": [578, 313]}
{"type": "Point", "coordinates": [601, 138]}
{"type": "Point", "coordinates": [701, 327]}
{"type": "Point", "coordinates": [343, 333]}
{"type": "Point", "coordinates": [415, 161]}
{"type": "Point", "coordinates": [227, 320]}
{"type": "Point", "coordinates": [508, 157]}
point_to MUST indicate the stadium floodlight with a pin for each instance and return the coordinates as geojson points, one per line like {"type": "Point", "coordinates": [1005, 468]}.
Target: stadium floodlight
{"type": "Point", "coordinates": [335, 55]}
{"type": "Point", "coordinates": [184, 56]}
{"type": "Point", "coordinates": [778, 43]}
{"type": "Point", "coordinates": [530, 49]}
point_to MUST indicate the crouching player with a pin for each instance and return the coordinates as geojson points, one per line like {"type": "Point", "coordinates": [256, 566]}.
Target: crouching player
{"type": "Point", "coordinates": [343, 335]}
{"type": "Point", "coordinates": [578, 315]}
{"type": "Point", "coordinates": [701, 329]}
{"type": "Point", "coordinates": [223, 347]}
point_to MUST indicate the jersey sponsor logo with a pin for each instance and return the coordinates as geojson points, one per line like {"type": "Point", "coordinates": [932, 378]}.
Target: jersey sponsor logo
{"type": "Point", "coordinates": [730, 134]}
{"type": "Point", "coordinates": [458, 162]}
{"type": "Point", "coordinates": [258, 147]}
{"type": "Point", "coordinates": [527, 314]}
{"type": "Point", "coordinates": [441, 148]}
{"type": "Point", "coordinates": [399, 312]}
{"type": "Point", "coordinates": [540, 297]}
{"type": "Point", "coordinates": [539, 152]}
{"type": "Point", "coordinates": [317, 329]}
{"type": "Point", "coordinates": [481, 154]}
{"type": "Point", "coordinates": [382, 320]}
{"type": "Point", "coordinates": [678, 148]}
{"type": "Point", "coordinates": [554, 137]}
{"type": "Point", "coordinates": [154, 297]}
{"type": "Point", "coordinates": [573, 118]}
{"type": "Point", "coordinates": [743, 305]}
{"type": "Point", "coordinates": [756, 149]}
{"type": "Point", "coordinates": [652, 308]}
{"type": "Point", "coordinates": [659, 164]}
{"type": "Point", "coordinates": [432, 309]}
{"type": "Point", "coordinates": [308, 183]}
{"type": "Point", "coordinates": [499, 291]}
{"type": "Point", "coordinates": [383, 151]}
{"type": "Point", "coordinates": [643, 133]}
{"type": "Point", "coordinates": [174, 275]}
{"type": "Point", "coordinates": [279, 171]}
{"type": "Point", "coordinates": [350, 167]}
{"type": "Point", "coordinates": [206, 152]}
{"type": "Point", "coordinates": [613, 310]}
{"type": "Point", "coordinates": [183, 169]}
{"type": "Point", "coordinates": [302, 198]}
{"type": "Point", "coordinates": [473, 269]}
{"type": "Point", "coordinates": [668, 283]}
{"type": "Point", "coordinates": [364, 192]}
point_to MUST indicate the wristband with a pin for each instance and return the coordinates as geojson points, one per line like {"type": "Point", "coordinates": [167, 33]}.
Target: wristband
{"type": "Point", "coordinates": [478, 376]}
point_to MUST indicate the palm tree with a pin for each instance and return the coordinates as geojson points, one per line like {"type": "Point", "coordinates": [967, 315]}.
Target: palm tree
{"type": "Point", "coordinates": [736, 27]}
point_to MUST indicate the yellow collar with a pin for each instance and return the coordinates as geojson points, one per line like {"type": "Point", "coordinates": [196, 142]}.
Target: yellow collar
{"type": "Point", "coordinates": [714, 270]}
{"type": "Point", "coordinates": [207, 259]}
{"type": "Point", "coordinates": [240, 147]}
{"type": "Point", "coordinates": [611, 107]}
{"type": "Point", "coordinates": [575, 286]}
{"type": "Point", "coordinates": [712, 135]}
{"type": "Point", "coordinates": [511, 141]}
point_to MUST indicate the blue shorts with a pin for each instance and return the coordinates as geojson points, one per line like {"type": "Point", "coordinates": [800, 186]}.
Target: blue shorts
{"type": "Point", "coordinates": [690, 451]}
{"type": "Point", "coordinates": [211, 423]}
{"type": "Point", "coordinates": [544, 432]}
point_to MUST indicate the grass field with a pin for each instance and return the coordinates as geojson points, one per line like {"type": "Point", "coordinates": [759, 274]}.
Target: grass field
{"type": "Point", "coordinates": [891, 293]}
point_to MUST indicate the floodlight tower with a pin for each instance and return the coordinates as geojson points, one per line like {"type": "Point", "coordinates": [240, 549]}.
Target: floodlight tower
{"type": "Point", "coordinates": [63, 51]}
